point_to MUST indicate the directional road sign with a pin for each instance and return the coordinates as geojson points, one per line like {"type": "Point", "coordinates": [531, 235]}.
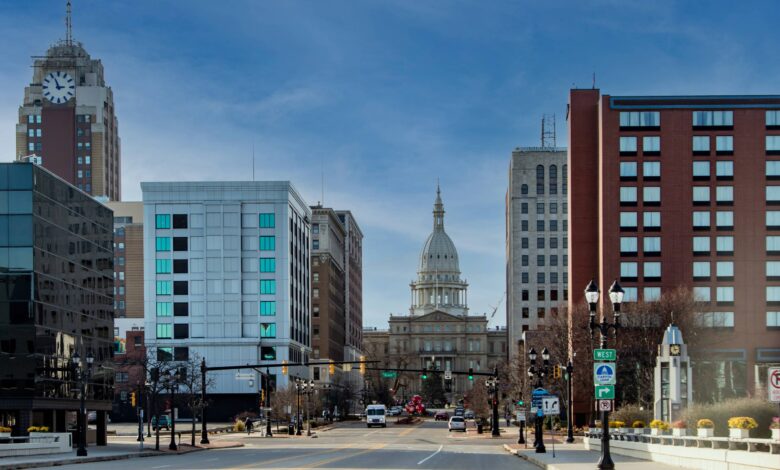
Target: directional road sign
{"type": "Point", "coordinates": [604, 355]}
{"type": "Point", "coordinates": [773, 382]}
{"type": "Point", "coordinates": [604, 373]}
{"type": "Point", "coordinates": [551, 406]}
{"type": "Point", "coordinates": [389, 374]}
{"type": "Point", "coordinates": [604, 392]}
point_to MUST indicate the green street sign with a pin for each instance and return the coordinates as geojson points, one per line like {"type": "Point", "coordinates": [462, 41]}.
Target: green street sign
{"type": "Point", "coordinates": [389, 374]}
{"type": "Point", "coordinates": [606, 355]}
{"type": "Point", "coordinates": [604, 392]}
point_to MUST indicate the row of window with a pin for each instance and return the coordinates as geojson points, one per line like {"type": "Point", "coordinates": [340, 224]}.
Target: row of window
{"type": "Point", "coordinates": [724, 144]}
{"type": "Point", "coordinates": [163, 221]}
{"type": "Point", "coordinates": [182, 330]}
{"type": "Point", "coordinates": [553, 206]}
{"type": "Point", "coordinates": [34, 132]}
{"type": "Point", "coordinates": [33, 119]}
{"type": "Point", "coordinates": [650, 170]}
{"type": "Point", "coordinates": [181, 309]}
{"type": "Point", "coordinates": [541, 295]}
{"type": "Point", "coordinates": [540, 225]}
{"type": "Point", "coordinates": [86, 160]}
{"type": "Point", "coordinates": [652, 119]}
{"type": "Point", "coordinates": [541, 277]}
{"type": "Point", "coordinates": [553, 186]}
{"type": "Point", "coordinates": [540, 260]}
{"type": "Point", "coordinates": [540, 313]}
{"type": "Point", "coordinates": [540, 242]}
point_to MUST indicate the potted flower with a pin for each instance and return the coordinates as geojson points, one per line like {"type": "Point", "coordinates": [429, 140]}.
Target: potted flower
{"type": "Point", "coordinates": [617, 425]}
{"type": "Point", "coordinates": [679, 428]}
{"type": "Point", "coordinates": [38, 431]}
{"type": "Point", "coordinates": [775, 427]}
{"type": "Point", "coordinates": [657, 427]}
{"type": "Point", "coordinates": [5, 431]}
{"type": "Point", "coordinates": [705, 428]}
{"type": "Point", "coordinates": [639, 426]}
{"type": "Point", "coordinates": [740, 426]}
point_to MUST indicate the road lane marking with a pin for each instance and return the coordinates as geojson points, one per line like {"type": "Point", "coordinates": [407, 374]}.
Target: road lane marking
{"type": "Point", "coordinates": [430, 456]}
{"type": "Point", "coordinates": [406, 432]}
{"type": "Point", "coordinates": [162, 466]}
{"type": "Point", "coordinates": [343, 457]}
{"type": "Point", "coordinates": [291, 457]}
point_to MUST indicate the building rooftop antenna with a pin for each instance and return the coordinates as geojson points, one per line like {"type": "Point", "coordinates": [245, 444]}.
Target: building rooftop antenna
{"type": "Point", "coordinates": [548, 131]}
{"type": "Point", "coordinates": [68, 26]}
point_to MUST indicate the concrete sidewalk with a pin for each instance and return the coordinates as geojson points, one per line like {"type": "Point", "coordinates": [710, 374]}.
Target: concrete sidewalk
{"type": "Point", "coordinates": [575, 457]}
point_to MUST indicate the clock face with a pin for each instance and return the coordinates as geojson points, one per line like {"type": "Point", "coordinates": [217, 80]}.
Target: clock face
{"type": "Point", "coordinates": [58, 87]}
{"type": "Point", "coordinates": [674, 349]}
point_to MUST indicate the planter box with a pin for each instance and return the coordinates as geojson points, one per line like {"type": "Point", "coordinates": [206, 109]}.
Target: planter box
{"type": "Point", "coordinates": [5, 434]}
{"type": "Point", "coordinates": [776, 434]}
{"type": "Point", "coordinates": [639, 430]}
{"type": "Point", "coordinates": [739, 433]}
{"type": "Point", "coordinates": [679, 432]}
{"type": "Point", "coordinates": [705, 432]}
{"type": "Point", "coordinates": [626, 430]}
{"type": "Point", "coordinates": [656, 432]}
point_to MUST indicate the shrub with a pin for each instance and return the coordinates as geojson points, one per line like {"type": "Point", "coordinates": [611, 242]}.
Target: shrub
{"type": "Point", "coordinates": [679, 424]}
{"type": "Point", "coordinates": [5, 429]}
{"type": "Point", "coordinates": [742, 422]}
{"type": "Point", "coordinates": [705, 423]}
{"type": "Point", "coordinates": [617, 424]}
{"type": "Point", "coordinates": [638, 424]}
{"type": "Point", "coordinates": [239, 426]}
{"type": "Point", "coordinates": [658, 424]}
{"type": "Point", "coordinates": [775, 423]}
{"type": "Point", "coordinates": [631, 413]}
{"type": "Point", "coordinates": [32, 429]}
{"type": "Point", "coordinates": [719, 414]}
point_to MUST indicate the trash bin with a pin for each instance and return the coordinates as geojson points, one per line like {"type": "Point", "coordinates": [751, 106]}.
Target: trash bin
{"type": "Point", "coordinates": [291, 429]}
{"type": "Point", "coordinates": [479, 428]}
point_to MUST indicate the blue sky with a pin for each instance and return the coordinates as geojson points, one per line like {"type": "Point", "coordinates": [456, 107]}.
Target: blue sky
{"type": "Point", "coordinates": [387, 96]}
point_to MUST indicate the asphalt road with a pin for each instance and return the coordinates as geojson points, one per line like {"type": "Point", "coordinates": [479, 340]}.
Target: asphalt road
{"type": "Point", "coordinates": [349, 446]}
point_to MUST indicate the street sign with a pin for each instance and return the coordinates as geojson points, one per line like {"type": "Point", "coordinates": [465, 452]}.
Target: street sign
{"type": "Point", "coordinates": [605, 405]}
{"type": "Point", "coordinates": [604, 373]}
{"type": "Point", "coordinates": [520, 416]}
{"type": "Point", "coordinates": [346, 367]}
{"type": "Point", "coordinates": [609, 355]}
{"type": "Point", "coordinates": [773, 382]}
{"type": "Point", "coordinates": [389, 374]}
{"type": "Point", "coordinates": [240, 376]}
{"type": "Point", "coordinates": [604, 392]}
{"type": "Point", "coordinates": [551, 406]}
{"type": "Point", "coordinates": [533, 410]}
{"type": "Point", "coordinates": [447, 374]}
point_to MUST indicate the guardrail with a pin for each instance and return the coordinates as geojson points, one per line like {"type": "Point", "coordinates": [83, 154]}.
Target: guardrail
{"type": "Point", "coordinates": [727, 443]}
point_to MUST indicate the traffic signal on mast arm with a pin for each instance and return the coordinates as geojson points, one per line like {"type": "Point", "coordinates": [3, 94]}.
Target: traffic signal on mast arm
{"type": "Point", "coordinates": [132, 398]}
{"type": "Point", "coordinates": [284, 367]}
{"type": "Point", "coordinates": [362, 365]}
{"type": "Point", "coordinates": [332, 368]}
{"type": "Point", "coordinates": [471, 374]}
{"type": "Point", "coordinates": [424, 374]}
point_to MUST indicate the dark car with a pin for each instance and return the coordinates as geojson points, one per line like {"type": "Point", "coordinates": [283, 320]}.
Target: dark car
{"type": "Point", "coordinates": [164, 420]}
{"type": "Point", "coordinates": [441, 416]}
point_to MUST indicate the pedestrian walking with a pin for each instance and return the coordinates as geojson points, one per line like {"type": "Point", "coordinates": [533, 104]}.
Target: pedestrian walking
{"type": "Point", "coordinates": [248, 425]}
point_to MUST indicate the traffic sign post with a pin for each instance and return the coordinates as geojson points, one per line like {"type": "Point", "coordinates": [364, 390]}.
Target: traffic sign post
{"type": "Point", "coordinates": [605, 405]}
{"type": "Point", "coordinates": [773, 384]}
{"type": "Point", "coordinates": [521, 416]}
{"type": "Point", "coordinates": [604, 373]}
{"type": "Point", "coordinates": [605, 355]}
{"type": "Point", "coordinates": [604, 392]}
{"type": "Point", "coordinates": [447, 374]}
{"type": "Point", "coordinates": [551, 406]}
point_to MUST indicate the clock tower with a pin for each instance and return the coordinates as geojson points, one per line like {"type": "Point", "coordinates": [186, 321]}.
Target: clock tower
{"type": "Point", "coordinates": [67, 119]}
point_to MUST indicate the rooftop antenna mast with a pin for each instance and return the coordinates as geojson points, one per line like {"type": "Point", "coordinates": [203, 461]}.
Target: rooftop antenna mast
{"type": "Point", "coordinates": [548, 131]}
{"type": "Point", "coordinates": [68, 26]}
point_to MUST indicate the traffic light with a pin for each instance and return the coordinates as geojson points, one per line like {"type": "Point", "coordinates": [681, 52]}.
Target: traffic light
{"type": "Point", "coordinates": [262, 398]}
{"type": "Point", "coordinates": [362, 365]}
{"type": "Point", "coordinates": [557, 371]}
{"type": "Point", "coordinates": [332, 368]}
{"type": "Point", "coordinates": [424, 375]}
{"type": "Point", "coordinates": [520, 402]}
{"type": "Point", "coordinates": [284, 367]}
{"type": "Point", "coordinates": [471, 374]}
{"type": "Point", "coordinates": [132, 399]}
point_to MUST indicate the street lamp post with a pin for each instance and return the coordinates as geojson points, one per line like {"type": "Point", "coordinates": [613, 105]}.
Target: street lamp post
{"type": "Point", "coordinates": [268, 432]}
{"type": "Point", "coordinates": [173, 381]}
{"type": "Point", "coordinates": [83, 375]}
{"type": "Point", "coordinates": [204, 434]}
{"type": "Point", "coordinates": [539, 373]}
{"type": "Point", "coordinates": [603, 327]}
{"type": "Point", "coordinates": [569, 407]}
{"type": "Point", "coordinates": [492, 385]}
{"type": "Point", "coordinates": [298, 390]}
{"type": "Point", "coordinates": [147, 391]}
{"type": "Point", "coordinates": [308, 389]}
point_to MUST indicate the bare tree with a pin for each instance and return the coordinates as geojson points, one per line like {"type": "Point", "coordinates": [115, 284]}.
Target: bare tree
{"type": "Point", "coordinates": [191, 386]}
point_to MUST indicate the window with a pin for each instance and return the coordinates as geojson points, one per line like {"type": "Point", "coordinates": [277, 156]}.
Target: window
{"type": "Point", "coordinates": [180, 288]}
{"type": "Point", "coordinates": [524, 208]}
{"type": "Point", "coordinates": [553, 260]}
{"type": "Point", "coordinates": [651, 170]}
{"type": "Point", "coordinates": [268, 330]}
{"type": "Point", "coordinates": [652, 270]}
{"type": "Point", "coordinates": [164, 330]}
{"type": "Point", "coordinates": [267, 220]}
{"type": "Point", "coordinates": [181, 353]}
{"type": "Point", "coordinates": [164, 287]}
{"type": "Point", "coordinates": [651, 145]}
{"type": "Point", "coordinates": [651, 195]}
{"type": "Point", "coordinates": [701, 195]}
{"type": "Point", "coordinates": [540, 295]}
{"type": "Point", "coordinates": [652, 294]}
{"type": "Point", "coordinates": [628, 270]}
{"type": "Point", "coordinates": [179, 220]}
{"type": "Point", "coordinates": [181, 331]}
{"type": "Point", "coordinates": [315, 244]}
{"type": "Point", "coordinates": [162, 221]}
{"type": "Point", "coordinates": [268, 286]}
{"type": "Point", "coordinates": [553, 243]}
{"type": "Point", "coordinates": [628, 246]}
{"type": "Point", "coordinates": [773, 194]}
{"type": "Point", "coordinates": [773, 270]}
{"type": "Point", "coordinates": [181, 309]}
{"type": "Point", "coordinates": [713, 118]}
{"type": "Point", "coordinates": [540, 242]}
{"type": "Point", "coordinates": [267, 307]}
{"type": "Point", "coordinates": [524, 243]}
{"type": "Point", "coordinates": [164, 309]}
{"type": "Point", "coordinates": [554, 225]}
{"type": "Point", "coordinates": [701, 294]}
{"type": "Point", "coordinates": [724, 294]}
{"type": "Point", "coordinates": [553, 179]}
{"type": "Point", "coordinates": [524, 260]}
{"type": "Point", "coordinates": [628, 220]}
{"type": "Point", "coordinates": [701, 220]}
{"type": "Point", "coordinates": [540, 208]}
{"type": "Point", "coordinates": [701, 144]}
{"type": "Point", "coordinates": [267, 243]}
{"type": "Point", "coordinates": [773, 144]}
{"type": "Point", "coordinates": [180, 266]}
{"type": "Point", "coordinates": [540, 260]}
{"type": "Point", "coordinates": [524, 189]}
{"type": "Point", "coordinates": [701, 270]}
{"type": "Point", "coordinates": [553, 208]}
{"type": "Point", "coordinates": [772, 319]}
{"type": "Point", "coordinates": [652, 245]}
{"type": "Point", "coordinates": [628, 170]}
{"type": "Point", "coordinates": [268, 265]}
{"type": "Point", "coordinates": [179, 243]}
{"type": "Point", "coordinates": [724, 245]}
{"type": "Point", "coordinates": [772, 118]}
{"type": "Point", "coordinates": [652, 220]}
{"type": "Point", "coordinates": [163, 266]}
{"type": "Point", "coordinates": [724, 220]}
{"type": "Point", "coordinates": [628, 146]}
{"type": "Point", "coordinates": [640, 119]}
{"type": "Point", "coordinates": [539, 179]}
{"type": "Point", "coordinates": [701, 170]}
{"type": "Point", "coordinates": [724, 270]}
{"type": "Point", "coordinates": [540, 225]}
{"type": "Point", "coordinates": [772, 245]}
{"type": "Point", "coordinates": [773, 220]}
{"type": "Point", "coordinates": [628, 195]}
{"type": "Point", "coordinates": [715, 319]}
{"type": "Point", "coordinates": [164, 354]}
{"type": "Point", "coordinates": [773, 294]}
{"type": "Point", "coordinates": [724, 144]}
{"type": "Point", "coordinates": [724, 195]}
{"type": "Point", "coordinates": [724, 170]}
{"type": "Point", "coordinates": [630, 294]}
{"type": "Point", "coordinates": [524, 278]}
{"type": "Point", "coordinates": [565, 184]}
{"type": "Point", "coordinates": [554, 278]}
{"type": "Point", "coordinates": [540, 277]}
{"type": "Point", "coordinates": [524, 225]}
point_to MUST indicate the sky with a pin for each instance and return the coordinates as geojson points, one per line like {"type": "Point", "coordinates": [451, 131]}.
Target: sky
{"type": "Point", "coordinates": [382, 98]}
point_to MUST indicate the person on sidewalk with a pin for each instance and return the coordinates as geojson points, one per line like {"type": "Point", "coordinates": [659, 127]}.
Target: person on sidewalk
{"type": "Point", "coordinates": [248, 425]}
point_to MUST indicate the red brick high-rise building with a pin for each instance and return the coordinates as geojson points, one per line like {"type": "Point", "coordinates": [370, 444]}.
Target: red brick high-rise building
{"type": "Point", "coordinates": [683, 191]}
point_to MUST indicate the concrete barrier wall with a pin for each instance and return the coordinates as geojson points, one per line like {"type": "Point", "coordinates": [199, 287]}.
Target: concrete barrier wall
{"type": "Point", "coordinates": [40, 444]}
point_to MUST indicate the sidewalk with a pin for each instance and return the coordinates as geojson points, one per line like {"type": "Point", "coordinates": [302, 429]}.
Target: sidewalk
{"type": "Point", "coordinates": [575, 457]}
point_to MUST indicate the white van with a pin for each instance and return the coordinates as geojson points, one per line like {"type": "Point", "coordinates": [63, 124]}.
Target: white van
{"type": "Point", "coordinates": [375, 415]}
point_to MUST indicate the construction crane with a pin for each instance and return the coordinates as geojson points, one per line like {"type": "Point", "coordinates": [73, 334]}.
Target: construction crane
{"type": "Point", "coordinates": [495, 309]}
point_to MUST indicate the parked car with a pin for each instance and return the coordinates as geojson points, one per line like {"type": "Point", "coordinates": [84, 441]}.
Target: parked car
{"type": "Point", "coordinates": [468, 414]}
{"type": "Point", "coordinates": [441, 416]}
{"type": "Point", "coordinates": [457, 423]}
{"type": "Point", "coordinates": [164, 420]}
{"type": "Point", "coordinates": [395, 411]}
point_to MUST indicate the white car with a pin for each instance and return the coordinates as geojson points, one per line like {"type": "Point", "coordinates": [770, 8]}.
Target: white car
{"type": "Point", "coordinates": [457, 423]}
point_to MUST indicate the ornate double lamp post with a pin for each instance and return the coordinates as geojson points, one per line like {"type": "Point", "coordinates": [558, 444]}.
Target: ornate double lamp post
{"type": "Point", "coordinates": [173, 383]}
{"type": "Point", "coordinates": [539, 373]}
{"type": "Point", "coordinates": [616, 297]}
{"type": "Point", "coordinates": [492, 385]}
{"type": "Point", "coordinates": [83, 374]}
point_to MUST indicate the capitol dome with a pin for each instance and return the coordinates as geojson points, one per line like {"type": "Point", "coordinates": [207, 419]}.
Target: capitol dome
{"type": "Point", "coordinates": [438, 254]}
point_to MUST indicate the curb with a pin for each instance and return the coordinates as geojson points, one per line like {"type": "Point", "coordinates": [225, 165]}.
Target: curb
{"type": "Point", "coordinates": [526, 457]}
{"type": "Point", "coordinates": [77, 461]}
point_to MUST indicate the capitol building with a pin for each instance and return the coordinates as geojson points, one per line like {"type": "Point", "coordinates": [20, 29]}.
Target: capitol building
{"type": "Point", "coordinates": [439, 333]}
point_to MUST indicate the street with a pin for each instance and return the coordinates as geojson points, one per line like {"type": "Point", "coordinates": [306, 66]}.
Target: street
{"type": "Point", "coordinates": [350, 445]}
